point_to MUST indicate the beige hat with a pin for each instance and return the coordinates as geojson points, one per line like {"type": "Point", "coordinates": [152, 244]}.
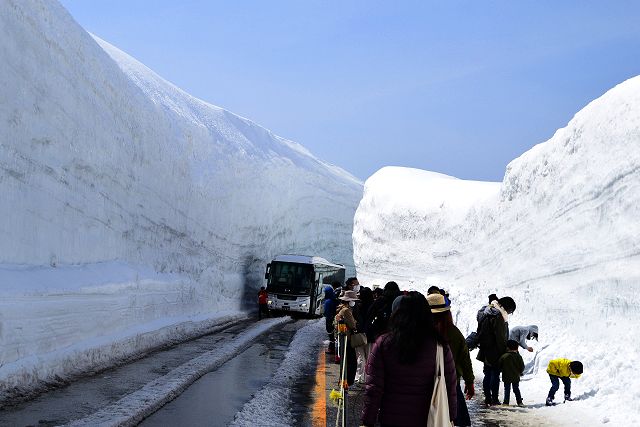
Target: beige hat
{"type": "Point", "coordinates": [349, 296]}
{"type": "Point", "coordinates": [438, 303]}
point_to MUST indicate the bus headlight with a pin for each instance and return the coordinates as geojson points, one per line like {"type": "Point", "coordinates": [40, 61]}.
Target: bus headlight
{"type": "Point", "coordinates": [303, 305]}
{"type": "Point", "coordinates": [270, 302]}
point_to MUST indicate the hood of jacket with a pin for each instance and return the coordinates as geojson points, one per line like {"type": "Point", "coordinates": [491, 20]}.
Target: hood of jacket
{"type": "Point", "coordinates": [329, 293]}
{"type": "Point", "coordinates": [487, 311]}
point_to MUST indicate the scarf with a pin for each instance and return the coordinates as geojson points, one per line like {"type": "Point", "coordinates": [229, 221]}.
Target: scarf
{"type": "Point", "coordinates": [504, 313]}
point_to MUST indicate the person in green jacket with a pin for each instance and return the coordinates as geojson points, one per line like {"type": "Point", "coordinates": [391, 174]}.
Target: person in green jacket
{"type": "Point", "coordinates": [562, 369]}
{"type": "Point", "coordinates": [441, 310]}
{"type": "Point", "coordinates": [512, 367]}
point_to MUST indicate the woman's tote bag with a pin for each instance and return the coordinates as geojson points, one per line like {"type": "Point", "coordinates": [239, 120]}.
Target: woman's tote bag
{"type": "Point", "coordinates": [439, 407]}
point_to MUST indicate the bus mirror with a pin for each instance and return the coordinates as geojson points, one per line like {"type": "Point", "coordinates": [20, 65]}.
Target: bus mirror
{"type": "Point", "coordinates": [266, 273]}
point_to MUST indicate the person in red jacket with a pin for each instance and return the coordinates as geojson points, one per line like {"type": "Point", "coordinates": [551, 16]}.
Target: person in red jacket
{"type": "Point", "coordinates": [263, 305]}
{"type": "Point", "coordinates": [401, 368]}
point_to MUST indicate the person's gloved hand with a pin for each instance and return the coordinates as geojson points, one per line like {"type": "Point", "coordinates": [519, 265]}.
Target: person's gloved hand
{"type": "Point", "coordinates": [469, 391]}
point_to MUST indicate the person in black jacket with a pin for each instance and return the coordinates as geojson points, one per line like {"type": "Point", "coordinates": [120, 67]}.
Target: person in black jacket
{"type": "Point", "coordinates": [380, 311]}
{"type": "Point", "coordinates": [492, 340]}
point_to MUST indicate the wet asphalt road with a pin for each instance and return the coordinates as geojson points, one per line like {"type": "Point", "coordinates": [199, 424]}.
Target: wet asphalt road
{"type": "Point", "coordinates": [211, 401]}
{"type": "Point", "coordinates": [215, 398]}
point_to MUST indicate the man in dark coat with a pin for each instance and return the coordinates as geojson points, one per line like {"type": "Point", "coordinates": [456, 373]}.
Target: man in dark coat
{"type": "Point", "coordinates": [492, 340]}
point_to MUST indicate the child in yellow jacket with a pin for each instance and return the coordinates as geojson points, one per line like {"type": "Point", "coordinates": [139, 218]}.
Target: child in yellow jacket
{"type": "Point", "coordinates": [562, 369]}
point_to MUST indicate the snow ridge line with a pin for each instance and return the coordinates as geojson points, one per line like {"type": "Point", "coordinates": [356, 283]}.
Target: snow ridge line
{"type": "Point", "coordinates": [270, 406]}
{"type": "Point", "coordinates": [133, 408]}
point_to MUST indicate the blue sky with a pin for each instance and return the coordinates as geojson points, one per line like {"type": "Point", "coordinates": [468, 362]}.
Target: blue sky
{"type": "Point", "coordinates": [455, 87]}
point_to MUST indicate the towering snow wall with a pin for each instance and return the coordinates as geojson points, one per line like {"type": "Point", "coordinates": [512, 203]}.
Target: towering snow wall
{"type": "Point", "coordinates": [127, 205]}
{"type": "Point", "coordinates": [561, 235]}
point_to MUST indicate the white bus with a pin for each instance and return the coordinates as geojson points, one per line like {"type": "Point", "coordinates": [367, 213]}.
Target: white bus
{"type": "Point", "coordinates": [296, 282]}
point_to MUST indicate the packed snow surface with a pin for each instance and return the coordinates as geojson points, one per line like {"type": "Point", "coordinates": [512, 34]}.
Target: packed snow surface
{"type": "Point", "coordinates": [560, 234]}
{"type": "Point", "coordinates": [130, 206]}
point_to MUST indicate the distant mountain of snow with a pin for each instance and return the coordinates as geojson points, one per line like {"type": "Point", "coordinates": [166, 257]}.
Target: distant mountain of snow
{"type": "Point", "coordinates": [107, 169]}
{"type": "Point", "coordinates": [560, 235]}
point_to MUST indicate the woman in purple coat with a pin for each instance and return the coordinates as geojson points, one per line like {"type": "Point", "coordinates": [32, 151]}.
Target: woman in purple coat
{"type": "Point", "coordinates": [401, 368]}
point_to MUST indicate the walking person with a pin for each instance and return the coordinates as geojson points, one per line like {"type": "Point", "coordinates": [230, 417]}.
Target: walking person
{"type": "Point", "coordinates": [402, 366]}
{"type": "Point", "coordinates": [492, 340]}
{"type": "Point", "coordinates": [441, 311]}
{"type": "Point", "coordinates": [512, 368]}
{"type": "Point", "coordinates": [263, 303]}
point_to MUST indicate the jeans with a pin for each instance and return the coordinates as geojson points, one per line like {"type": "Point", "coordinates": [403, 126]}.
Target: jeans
{"type": "Point", "coordinates": [516, 391]}
{"type": "Point", "coordinates": [491, 384]}
{"type": "Point", "coordinates": [555, 385]}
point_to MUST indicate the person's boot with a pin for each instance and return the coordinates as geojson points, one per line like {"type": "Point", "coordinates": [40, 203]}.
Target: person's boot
{"type": "Point", "coordinates": [550, 402]}
{"type": "Point", "coordinates": [519, 403]}
{"type": "Point", "coordinates": [332, 348]}
{"type": "Point", "coordinates": [567, 398]}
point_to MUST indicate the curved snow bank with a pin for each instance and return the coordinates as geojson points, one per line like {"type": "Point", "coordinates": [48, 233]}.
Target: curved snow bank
{"type": "Point", "coordinates": [560, 234]}
{"type": "Point", "coordinates": [103, 163]}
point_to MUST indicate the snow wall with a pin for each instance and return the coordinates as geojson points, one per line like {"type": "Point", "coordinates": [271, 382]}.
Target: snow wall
{"type": "Point", "coordinates": [560, 234]}
{"type": "Point", "coordinates": [129, 207]}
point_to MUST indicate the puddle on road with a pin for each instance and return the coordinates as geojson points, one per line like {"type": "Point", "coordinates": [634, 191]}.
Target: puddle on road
{"type": "Point", "coordinates": [215, 398]}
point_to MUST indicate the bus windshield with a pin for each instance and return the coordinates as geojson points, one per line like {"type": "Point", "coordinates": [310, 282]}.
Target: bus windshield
{"type": "Point", "coordinates": [290, 278]}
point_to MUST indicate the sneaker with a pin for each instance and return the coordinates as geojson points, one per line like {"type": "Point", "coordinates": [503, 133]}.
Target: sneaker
{"type": "Point", "coordinates": [567, 397]}
{"type": "Point", "coordinates": [550, 402]}
{"type": "Point", "coordinates": [520, 404]}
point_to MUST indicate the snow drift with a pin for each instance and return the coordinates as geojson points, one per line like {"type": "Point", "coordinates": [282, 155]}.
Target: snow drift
{"type": "Point", "coordinates": [561, 235]}
{"type": "Point", "coordinates": [128, 205]}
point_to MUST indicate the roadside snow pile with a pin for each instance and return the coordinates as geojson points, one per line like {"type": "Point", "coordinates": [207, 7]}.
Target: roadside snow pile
{"type": "Point", "coordinates": [270, 406]}
{"type": "Point", "coordinates": [560, 235]}
{"type": "Point", "coordinates": [106, 169]}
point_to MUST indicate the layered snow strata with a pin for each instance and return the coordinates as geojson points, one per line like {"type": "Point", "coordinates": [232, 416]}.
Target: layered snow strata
{"type": "Point", "coordinates": [560, 235]}
{"type": "Point", "coordinates": [177, 204]}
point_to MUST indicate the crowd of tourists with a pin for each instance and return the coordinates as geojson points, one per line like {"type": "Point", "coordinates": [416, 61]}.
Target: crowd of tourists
{"type": "Point", "coordinates": [406, 351]}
